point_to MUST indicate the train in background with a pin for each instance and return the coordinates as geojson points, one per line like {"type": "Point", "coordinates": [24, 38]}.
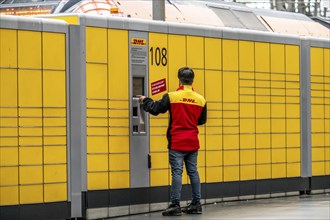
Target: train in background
{"type": "Point", "coordinates": [75, 143]}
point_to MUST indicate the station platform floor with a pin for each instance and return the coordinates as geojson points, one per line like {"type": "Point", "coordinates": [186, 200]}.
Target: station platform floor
{"type": "Point", "coordinates": [307, 207]}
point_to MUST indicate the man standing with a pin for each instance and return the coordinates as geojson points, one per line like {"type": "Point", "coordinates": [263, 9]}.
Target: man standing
{"type": "Point", "coordinates": [187, 110]}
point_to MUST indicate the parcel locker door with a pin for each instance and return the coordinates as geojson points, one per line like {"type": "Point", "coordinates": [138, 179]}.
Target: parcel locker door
{"type": "Point", "coordinates": [139, 122]}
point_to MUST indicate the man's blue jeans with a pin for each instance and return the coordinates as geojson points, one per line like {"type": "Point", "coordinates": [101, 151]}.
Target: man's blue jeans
{"type": "Point", "coordinates": [190, 160]}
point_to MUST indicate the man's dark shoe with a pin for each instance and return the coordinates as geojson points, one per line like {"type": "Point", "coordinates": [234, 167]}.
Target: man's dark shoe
{"type": "Point", "coordinates": [172, 210]}
{"type": "Point", "coordinates": [193, 208]}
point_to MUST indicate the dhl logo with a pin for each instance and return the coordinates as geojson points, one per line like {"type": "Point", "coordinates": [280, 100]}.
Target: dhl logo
{"type": "Point", "coordinates": [188, 100]}
{"type": "Point", "coordinates": [138, 41]}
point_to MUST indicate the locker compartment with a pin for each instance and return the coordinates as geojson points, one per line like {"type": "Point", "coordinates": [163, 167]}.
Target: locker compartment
{"type": "Point", "coordinates": [54, 88]}
{"type": "Point", "coordinates": [293, 155]}
{"type": "Point", "coordinates": [97, 144]}
{"type": "Point", "coordinates": [8, 156]}
{"type": "Point", "coordinates": [8, 48]}
{"type": "Point", "coordinates": [55, 173]}
{"type": "Point", "coordinates": [293, 140]}
{"type": "Point", "coordinates": [119, 144]}
{"type": "Point", "coordinates": [8, 175]}
{"type": "Point", "coordinates": [159, 160]}
{"type": "Point", "coordinates": [262, 59]}
{"type": "Point", "coordinates": [214, 174]}
{"type": "Point", "coordinates": [9, 195]}
{"type": "Point", "coordinates": [263, 140]}
{"type": "Point", "coordinates": [293, 170]}
{"type": "Point", "coordinates": [97, 180]}
{"type": "Point", "coordinates": [29, 49]}
{"type": "Point", "coordinates": [279, 170]}
{"type": "Point", "coordinates": [263, 171]}
{"type": "Point", "coordinates": [231, 173]}
{"type": "Point", "coordinates": [30, 155]}
{"type": "Point", "coordinates": [195, 52]}
{"type": "Point", "coordinates": [119, 179]}
{"type": "Point", "coordinates": [247, 157]}
{"type": "Point", "coordinates": [213, 142]}
{"type": "Point", "coordinates": [213, 158]}
{"type": "Point", "coordinates": [96, 38]}
{"type": "Point", "coordinates": [97, 162]}
{"type": "Point", "coordinates": [213, 53]}
{"type": "Point", "coordinates": [230, 142]}
{"type": "Point", "coordinates": [31, 194]}
{"type": "Point", "coordinates": [119, 162]}
{"type": "Point", "coordinates": [55, 154]}
{"type": "Point", "coordinates": [246, 55]}
{"type": "Point", "coordinates": [30, 174]}
{"type": "Point", "coordinates": [159, 177]}
{"type": "Point", "coordinates": [278, 155]}
{"type": "Point", "coordinates": [318, 168]}
{"type": "Point", "coordinates": [247, 141]}
{"type": "Point", "coordinates": [55, 192]}
{"type": "Point", "coordinates": [230, 55]}
{"type": "Point", "coordinates": [230, 157]}
{"type": "Point", "coordinates": [263, 156]}
{"type": "Point", "coordinates": [247, 172]}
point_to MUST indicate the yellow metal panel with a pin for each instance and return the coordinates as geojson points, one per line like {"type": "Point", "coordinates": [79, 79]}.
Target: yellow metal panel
{"type": "Point", "coordinates": [247, 172]}
{"type": "Point", "coordinates": [23, 141]}
{"type": "Point", "coordinates": [247, 157]}
{"type": "Point", "coordinates": [8, 195]}
{"type": "Point", "coordinates": [201, 158]}
{"type": "Point", "coordinates": [292, 59]}
{"type": "Point", "coordinates": [278, 170]}
{"type": "Point", "coordinates": [231, 173]}
{"type": "Point", "coordinates": [293, 155]}
{"type": "Point", "coordinates": [54, 140]}
{"type": "Point", "coordinates": [277, 58]}
{"type": "Point", "coordinates": [159, 177]}
{"type": "Point", "coordinates": [247, 110]}
{"type": "Point", "coordinates": [55, 192]}
{"type": "Point", "coordinates": [213, 158]}
{"type": "Point", "coordinates": [278, 155]}
{"type": "Point", "coordinates": [29, 49]}
{"type": "Point", "coordinates": [292, 110]}
{"type": "Point", "coordinates": [263, 156]}
{"type": "Point", "coordinates": [326, 54]}
{"type": "Point", "coordinates": [214, 174]}
{"type": "Point", "coordinates": [318, 168]}
{"type": "Point", "coordinates": [8, 48]}
{"type": "Point", "coordinates": [318, 154]}
{"type": "Point", "coordinates": [118, 131]}
{"type": "Point", "coordinates": [97, 162]}
{"type": "Point", "coordinates": [53, 50]}
{"type": "Point", "coordinates": [293, 125]}
{"type": "Point", "coordinates": [158, 60]}
{"type": "Point", "coordinates": [278, 140]}
{"type": "Point", "coordinates": [119, 180]}
{"type": "Point", "coordinates": [214, 141]}
{"type": "Point", "coordinates": [8, 156]}
{"type": "Point", "coordinates": [159, 160]}
{"type": "Point", "coordinates": [247, 125]}
{"type": "Point", "coordinates": [277, 110]}
{"type": "Point", "coordinates": [293, 169]}
{"type": "Point", "coordinates": [158, 143]}
{"type": "Point", "coordinates": [118, 64]}
{"type": "Point", "coordinates": [201, 171]}
{"type": "Point", "coordinates": [318, 140]}
{"type": "Point", "coordinates": [317, 125]}
{"type": "Point", "coordinates": [177, 58]}
{"type": "Point", "coordinates": [8, 176]}
{"type": "Point", "coordinates": [230, 157]}
{"type": "Point", "coordinates": [262, 110]}
{"type": "Point", "coordinates": [99, 180]}
{"type": "Point", "coordinates": [195, 52]}
{"type": "Point", "coordinates": [213, 87]}
{"type": "Point", "coordinates": [96, 77]}
{"type": "Point", "coordinates": [247, 141]}
{"type": "Point", "coordinates": [55, 154]}
{"type": "Point", "coordinates": [31, 194]}
{"type": "Point", "coordinates": [30, 174]}
{"type": "Point", "coordinates": [199, 82]}
{"type": "Point", "coordinates": [30, 155]}
{"type": "Point", "coordinates": [96, 45]}
{"type": "Point", "coordinates": [263, 171]}
{"type": "Point", "coordinates": [118, 162]}
{"type": "Point", "coordinates": [213, 59]}
{"type": "Point", "coordinates": [30, 89]}
{"type": "Point", "coordinates": [263, 125]}
{"type": "Point", "coordinates": [230, 86]}
{"type": "Point", "coordinates": [318, 111]}
{"type": "Point", "coordinates": [293, 140]}
{"type": "Point", "coordinates": [230, 141]}
{"type": "Point", "coordinates": [230, 55]}
{"type": "Point", "coordinates": [55, 173]}
{"type": "Point", "coordinates": [54, 88]}
{"type": "Point", "coordinates": [262, 57]}
{"type": "Point", "coordinates": [316, 61]}
{"type": "Point", "coordinates": [119, 144]}
{"type": "Point", "coordinates": [278, 125]}
{"type": "Point", "coordinates": [327, 167]}
{"type": "Point", "coordinates": [246, 55]}
{"type": "Point", "coordinates": [97, 144]}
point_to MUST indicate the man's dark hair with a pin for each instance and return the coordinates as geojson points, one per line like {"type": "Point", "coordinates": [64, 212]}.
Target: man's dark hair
{"type": "Point", "coordinates": [186, 75]}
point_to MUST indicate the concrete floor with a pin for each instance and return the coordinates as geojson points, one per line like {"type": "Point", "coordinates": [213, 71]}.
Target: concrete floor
{"type": "Point", "coordinates": [312, 207]}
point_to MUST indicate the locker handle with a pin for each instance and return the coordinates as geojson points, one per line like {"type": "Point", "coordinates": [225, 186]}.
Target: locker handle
{"type": "Point", "coordinates": [149, 161]}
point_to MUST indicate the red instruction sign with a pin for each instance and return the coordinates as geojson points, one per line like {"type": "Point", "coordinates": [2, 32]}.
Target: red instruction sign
{"type": "Point", "coordinates": [158, 86]}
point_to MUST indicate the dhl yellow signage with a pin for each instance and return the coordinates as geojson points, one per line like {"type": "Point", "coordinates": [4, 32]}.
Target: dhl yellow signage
{"type": "Point", "coordinates": [138, 41]}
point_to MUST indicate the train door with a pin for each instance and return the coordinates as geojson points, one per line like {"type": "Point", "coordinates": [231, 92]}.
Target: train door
{"type": "Point", "coordinates": [139, 129]}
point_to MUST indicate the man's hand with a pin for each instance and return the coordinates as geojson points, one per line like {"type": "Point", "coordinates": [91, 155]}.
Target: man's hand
{"type": "Point", "coordinates": [141, 98]}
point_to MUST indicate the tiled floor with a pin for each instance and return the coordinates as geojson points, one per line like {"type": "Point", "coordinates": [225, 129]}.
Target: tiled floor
{"type": "Point", "coordinates": [312, 207]}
